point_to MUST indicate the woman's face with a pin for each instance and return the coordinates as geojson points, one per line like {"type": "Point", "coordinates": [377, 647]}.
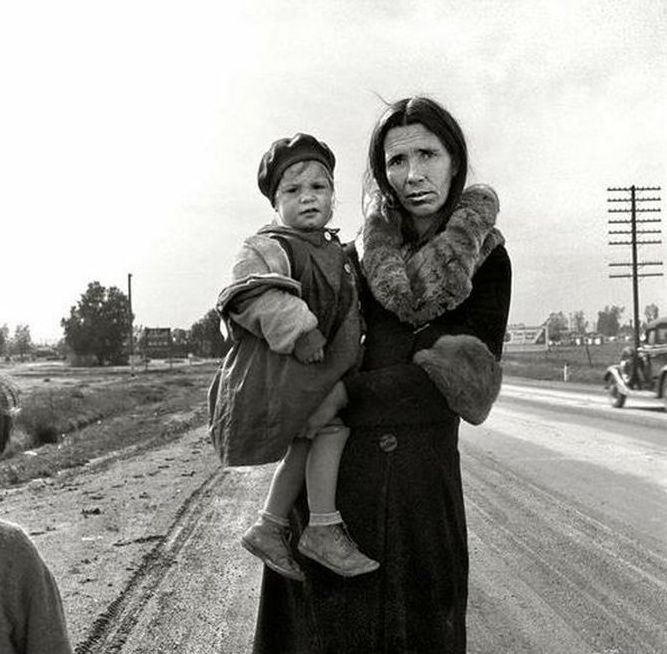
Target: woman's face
{"type": "Point", "coordinates": [419, 169]}
{"type": "Point", "coordinates": [305, 196]}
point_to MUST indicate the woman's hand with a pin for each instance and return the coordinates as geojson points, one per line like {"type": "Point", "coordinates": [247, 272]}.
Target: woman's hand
{"type": "Point", "coordinates": [328, 409]}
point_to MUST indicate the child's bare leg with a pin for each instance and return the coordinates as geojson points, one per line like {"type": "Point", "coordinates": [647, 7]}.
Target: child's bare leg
{"type": "Point", "coordinates": [322, 466]}
{"type": "Point", "coordinates": [268, 537]}
{"type": "Point", "coordinates": [325, 539]}
{"type": "Point", "coordinates": [287, 480]}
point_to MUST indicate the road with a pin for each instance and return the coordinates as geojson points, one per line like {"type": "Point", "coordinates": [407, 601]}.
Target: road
{"type": "Point", "coordinates": [567, 517]}
{"type": "Point", "coordinates": [567, 526]}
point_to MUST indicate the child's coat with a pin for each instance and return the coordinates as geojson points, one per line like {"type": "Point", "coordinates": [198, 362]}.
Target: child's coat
{"type": "Point", "coordinates": [285, 284]}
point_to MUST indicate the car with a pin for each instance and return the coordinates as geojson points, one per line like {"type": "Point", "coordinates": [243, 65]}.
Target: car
{"type": "Point", "coordinates": [650, 382]}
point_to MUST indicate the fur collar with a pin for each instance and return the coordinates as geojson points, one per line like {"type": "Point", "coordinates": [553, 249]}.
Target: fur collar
{"type": "Point", "coordinates": [420, 282]}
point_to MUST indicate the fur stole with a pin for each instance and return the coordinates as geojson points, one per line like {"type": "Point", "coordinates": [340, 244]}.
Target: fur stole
{"type": "Point", "coordinates": [420, 283]}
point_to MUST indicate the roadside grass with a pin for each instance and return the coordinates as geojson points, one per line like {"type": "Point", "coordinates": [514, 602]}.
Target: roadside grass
{"type": "Point", "coordinates": [584, 365]}
{"type": "Point", "coordinates": [62, 426]}
{"type": "Point", "coordinates": [48, 413]}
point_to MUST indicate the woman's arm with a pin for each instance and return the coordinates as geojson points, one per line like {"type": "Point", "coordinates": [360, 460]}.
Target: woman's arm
{"type": "Point", "coordinates": [460, 351]}
{"type": "Point", "coordinates": [397, 394]}
{"type": "Point", "coordinates": [484, 314]}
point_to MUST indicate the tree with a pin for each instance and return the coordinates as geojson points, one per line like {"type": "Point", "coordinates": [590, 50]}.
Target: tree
{"type": "Point", "coordinates": [22, 341]}
{"type": "Point", "coordinates": [626, 331]}
{"type": "Point", "coordinates": [580, 322]}
{"type": "Point", "coordinates": [557, 324]}
{"type": "Point", "coordinates": [61, 348]}
{"type": "Point", "coordinates": [205, 337]}
{"type": "Point", "coordinates": [99, 324]}
{"type": "Point", "coordinates": [651, 312]}
{"type": "Point", "coordinates": [609, 320]}
{"type": "Point", "coordinates": [179, 342]}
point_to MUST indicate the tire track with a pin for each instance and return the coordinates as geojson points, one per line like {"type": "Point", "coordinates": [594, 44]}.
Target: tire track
{"type": "Point", "coordinates": [207, 601]}
{"type": "Point", "coordinates": [112, 628]}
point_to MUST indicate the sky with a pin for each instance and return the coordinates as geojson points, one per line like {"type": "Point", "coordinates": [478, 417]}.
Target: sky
{"type": "Point", "coordinates": [131, 132]}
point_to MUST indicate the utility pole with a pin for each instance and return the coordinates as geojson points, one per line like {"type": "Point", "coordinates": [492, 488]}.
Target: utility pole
{"type": "Point", "coordinates": [129, 298]}
{"type": "Point", "coordinates": [633, 196]}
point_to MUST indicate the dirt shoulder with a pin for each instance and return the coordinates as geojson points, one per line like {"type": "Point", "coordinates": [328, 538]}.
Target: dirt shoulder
{"type": "Point", "coordinates": [97, 502]}
{"type": "Point", "coordinates": [96, 524]}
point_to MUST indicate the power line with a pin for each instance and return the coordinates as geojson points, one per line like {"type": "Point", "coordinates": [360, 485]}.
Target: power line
{"type": "Point", "coordinates": [635, 233]}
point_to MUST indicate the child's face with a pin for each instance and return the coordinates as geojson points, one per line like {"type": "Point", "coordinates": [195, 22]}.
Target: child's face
{"type": "Point", "coordinates": [304, 196]}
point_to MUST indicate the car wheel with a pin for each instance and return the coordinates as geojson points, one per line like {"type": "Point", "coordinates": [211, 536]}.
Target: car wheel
{"type": "Point", "coordinates": [616, 398]}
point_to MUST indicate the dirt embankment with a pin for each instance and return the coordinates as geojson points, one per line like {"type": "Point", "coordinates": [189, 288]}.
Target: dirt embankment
{"type": "Point", "coordinates": [88, 414]}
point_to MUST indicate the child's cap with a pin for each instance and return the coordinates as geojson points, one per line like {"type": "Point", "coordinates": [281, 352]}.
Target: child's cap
{"type": "Point", "coordinates": [285, 152]}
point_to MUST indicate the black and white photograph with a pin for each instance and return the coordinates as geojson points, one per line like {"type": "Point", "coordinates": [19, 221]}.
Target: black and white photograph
{"type": "Point", "coordinates": [333, 327]}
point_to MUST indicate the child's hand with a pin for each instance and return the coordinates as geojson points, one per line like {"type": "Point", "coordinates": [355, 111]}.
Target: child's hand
{"type": "Point", "coordinates": [316, 357]}
{"type": "Point", "coordinates": [309, 347]}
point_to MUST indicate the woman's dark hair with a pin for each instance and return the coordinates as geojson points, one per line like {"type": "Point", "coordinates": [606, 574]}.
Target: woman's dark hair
{"type": "Point", "coordinates": [436, 119]}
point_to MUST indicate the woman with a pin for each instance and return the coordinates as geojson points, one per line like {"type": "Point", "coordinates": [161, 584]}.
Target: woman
{"type": "Point", "coordinates": [435, 288]}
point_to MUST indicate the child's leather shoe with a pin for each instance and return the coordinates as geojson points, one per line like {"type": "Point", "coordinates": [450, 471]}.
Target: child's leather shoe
{"type": "Point", "coordinates": [332, 547]}
{"type": "Point", "coordinates": [268, 542]}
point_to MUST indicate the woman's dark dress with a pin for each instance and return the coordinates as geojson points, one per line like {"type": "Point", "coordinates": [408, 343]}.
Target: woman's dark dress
{"type": "Point", "coordinates": [399, 490]}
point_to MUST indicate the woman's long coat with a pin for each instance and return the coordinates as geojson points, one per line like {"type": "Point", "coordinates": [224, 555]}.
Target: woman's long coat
{"type": "Point", "coordinates": [400, 494]}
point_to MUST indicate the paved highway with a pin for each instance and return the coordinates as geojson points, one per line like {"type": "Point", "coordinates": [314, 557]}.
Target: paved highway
{"type": "Point", "coordinates": [567, 516]}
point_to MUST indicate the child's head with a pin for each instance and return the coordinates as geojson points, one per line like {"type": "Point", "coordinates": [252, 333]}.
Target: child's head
{"type": "Point", "coordinates": [297, 176]}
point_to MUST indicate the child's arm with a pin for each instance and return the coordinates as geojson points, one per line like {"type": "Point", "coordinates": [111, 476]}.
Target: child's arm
{"type": "Point", "coordinates": [283, 321]}
{"type": "Point", "coordinates": [264, 299]}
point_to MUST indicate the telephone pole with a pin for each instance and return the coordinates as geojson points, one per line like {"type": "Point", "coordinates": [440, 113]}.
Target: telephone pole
{"type": "Point", "coordinates": [634, 201]}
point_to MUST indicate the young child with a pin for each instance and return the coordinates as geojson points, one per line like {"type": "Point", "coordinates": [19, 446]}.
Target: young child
{"type": "Point", "coordinates": [292, 313]}
{"type": "Point", "coordinates": [32, 620]}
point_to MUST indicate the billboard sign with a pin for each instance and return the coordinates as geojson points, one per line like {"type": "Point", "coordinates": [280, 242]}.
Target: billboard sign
{"type": "Point", "coordinates": [158, 341]}
{"type": "Point", "coordinates": [526, 339]}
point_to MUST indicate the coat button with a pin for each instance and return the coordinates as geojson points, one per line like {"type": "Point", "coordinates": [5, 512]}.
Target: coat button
{"type": "Point", "coordinates": [388, 442]}
{"type": "Point", "coordinates": [347, 268]}
{"type": "Point", "coordinates": [327, 236]}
